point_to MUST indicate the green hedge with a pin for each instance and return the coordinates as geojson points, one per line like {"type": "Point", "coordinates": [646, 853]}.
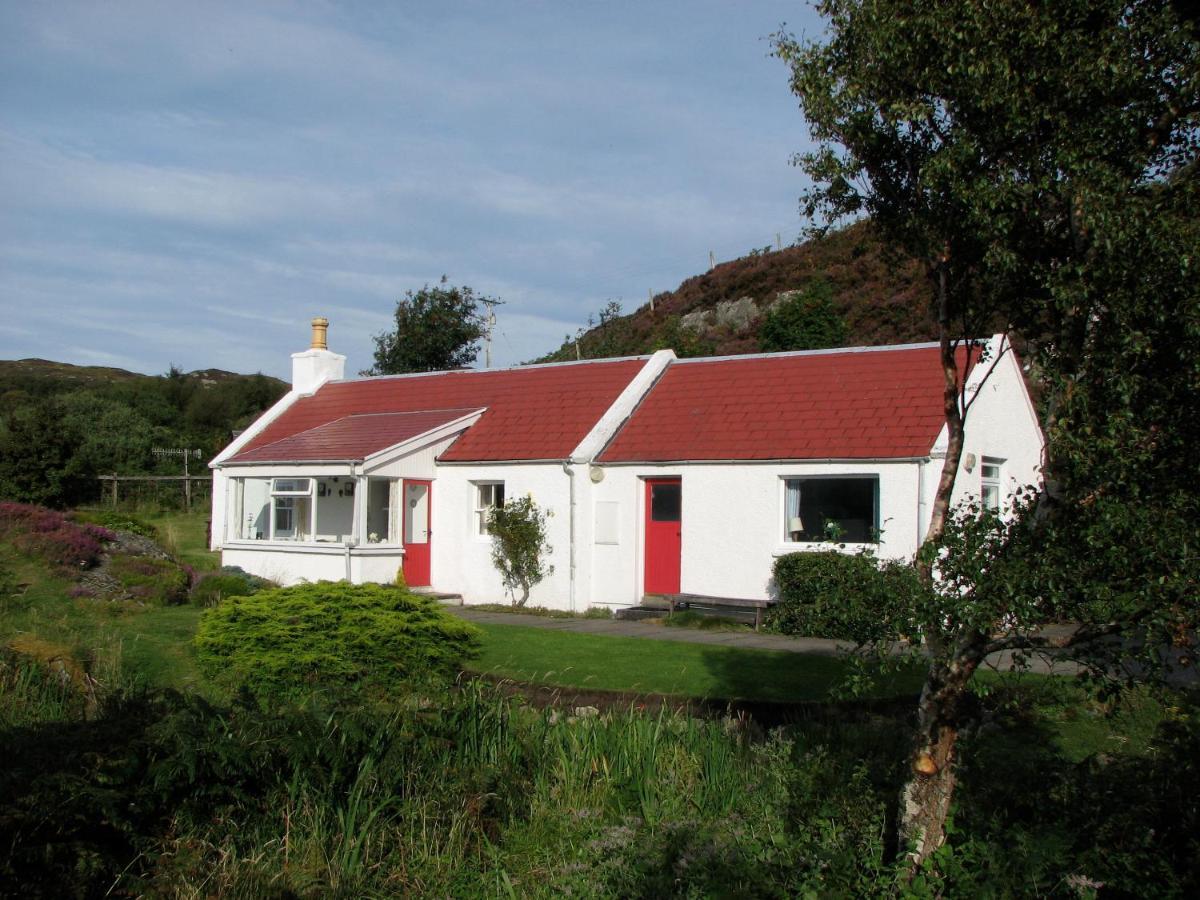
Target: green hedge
{"type": "Point", "coordinates": [331, 635]}
{"type": "Point", "coordinates": [827, 594]}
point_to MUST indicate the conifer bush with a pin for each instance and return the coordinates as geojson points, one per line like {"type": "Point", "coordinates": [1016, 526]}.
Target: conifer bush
{"type": "Point", "coordinates": [332, 636]}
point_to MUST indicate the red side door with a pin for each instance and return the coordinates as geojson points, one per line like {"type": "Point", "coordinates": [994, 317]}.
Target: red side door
{"type": "Point", "coordinates": [417, 521]}
{"type": "Point", "coordinates": [664, 521]}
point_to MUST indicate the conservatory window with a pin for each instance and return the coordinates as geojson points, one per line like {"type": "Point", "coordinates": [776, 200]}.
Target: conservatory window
{"type": "Point", "coordinates": [291, 487]}
{"type": "Point", "coordinates": [254, 503]}
{"type": "Point", "coordinates": [292, 508]}
{"type": "Point", "coordinates": [488, 496]}
{"type": "Point", "coordinates": [381, 500]}
{"type": "Point", "coordinates": [831, 509]}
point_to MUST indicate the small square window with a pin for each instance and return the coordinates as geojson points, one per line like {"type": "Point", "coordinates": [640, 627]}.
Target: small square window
{"type": "Point", "coordinates": [488, 496]}
{"type": "Point", "coordinates": [666, 502]}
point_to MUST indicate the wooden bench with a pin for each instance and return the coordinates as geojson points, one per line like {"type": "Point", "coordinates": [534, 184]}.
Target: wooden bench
{"type": "Point", "coordinates": [691, 601]}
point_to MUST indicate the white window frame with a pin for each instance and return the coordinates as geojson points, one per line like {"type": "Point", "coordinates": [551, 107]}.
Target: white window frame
{"type": "Point", "coordinates": [874, 528]}
{"type": "Point", "coordinates": [394, 515]}
{"type": "Point", "coordinates": [993, 481]}
{"type": "Point", "coordinates": [287, 490]}
{"type": "Point", "coordinates": [480, 509]}
{"type": "Point", "coordinates": [282, 487]}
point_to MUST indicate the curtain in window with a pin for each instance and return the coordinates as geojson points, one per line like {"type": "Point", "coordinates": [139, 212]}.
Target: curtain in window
{"type": "Point", "coordinates": [791, 506]}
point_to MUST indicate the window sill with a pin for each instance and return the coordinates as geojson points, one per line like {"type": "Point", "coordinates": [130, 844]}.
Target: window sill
{"type": "Point", "coordinates": [818, 546]}
{"type": "Point", "coordinates": [319, 547]}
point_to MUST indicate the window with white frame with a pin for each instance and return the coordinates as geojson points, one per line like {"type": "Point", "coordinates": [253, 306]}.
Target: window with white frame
{"type": "Point", "coordinates": [488, 496]}
{"type": "Point", "coordinates": [292, 502]}
{"type": "Point", "coordinates": [253, 505]}
{"type": "Point", "coordinates": [990, 474]}
{"type": "Point", "coordinates": [381, 501]}
{"type": "Point", "coordinates": [831, 508]}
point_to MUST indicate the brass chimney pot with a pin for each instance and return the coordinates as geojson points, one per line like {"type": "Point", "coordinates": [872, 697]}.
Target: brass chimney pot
{"type": "Point", "coordinates": [320, 328]}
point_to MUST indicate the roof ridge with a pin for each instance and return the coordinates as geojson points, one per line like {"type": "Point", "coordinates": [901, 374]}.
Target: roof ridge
{"type": "Point", "coordinates": [828, 351]}
{"type": "Point", "coordinates": [402, 412]}
{"type": "Point", "coordinates": [520, 367]}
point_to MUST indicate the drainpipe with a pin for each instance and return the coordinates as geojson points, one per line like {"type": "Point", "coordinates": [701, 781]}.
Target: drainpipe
{"type": "Point", "coordinates": [571, 527]}
{"type": "Point", "coordinates": [354, 529]}
{"type": "Point", "coordinates": [921, 502]}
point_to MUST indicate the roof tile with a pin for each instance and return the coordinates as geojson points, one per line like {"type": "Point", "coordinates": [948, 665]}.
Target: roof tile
{"type": "Point", "coordinates": [536, 412]}
{"type": "Point", "coordinates": [839, 404]}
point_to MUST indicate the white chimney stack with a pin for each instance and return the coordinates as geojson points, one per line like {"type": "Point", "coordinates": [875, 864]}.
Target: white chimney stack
{"type": "Point", "coordinates": [317, 365]}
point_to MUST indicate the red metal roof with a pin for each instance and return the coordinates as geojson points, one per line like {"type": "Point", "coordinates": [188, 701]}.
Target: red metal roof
{"type": "Point", "coordinates": [859, 404]}
{"type": "Point", "coordinates": [535, 412]}
{"type": "Point", "coordinates": [351, 437]}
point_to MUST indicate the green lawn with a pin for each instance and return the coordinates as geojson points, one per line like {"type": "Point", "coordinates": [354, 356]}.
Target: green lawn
{"type": "Point", "coordinates": [661, 667]}
{"type": "Point", "coordinates": [184, 535]}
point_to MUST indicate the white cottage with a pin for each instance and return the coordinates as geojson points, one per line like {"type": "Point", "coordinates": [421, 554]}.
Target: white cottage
{"type": "Point", "coordinates": [663, 475]}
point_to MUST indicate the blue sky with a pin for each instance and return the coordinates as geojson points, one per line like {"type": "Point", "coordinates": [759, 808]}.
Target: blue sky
{"type": "Point", "coordinates": [190, 183]}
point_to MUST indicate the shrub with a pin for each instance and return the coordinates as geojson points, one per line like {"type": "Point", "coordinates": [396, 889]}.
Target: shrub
{"type": "Point", "coordinates": [52, 537]}
{"type": "Point", "coordinates": [156, 581]}
{"type": "Point", "coordinates": [828, 594]}
{"type": "Point", "coordinates": [116, 521]}
{"type": "Point", "coordinates": [808, 320]}
{"type": "Point", "coordinates": [332, 635]}
{"type": "Point", "coordinates": [231, 581]}
{"type": "Point", "coordinates": [519, 545]}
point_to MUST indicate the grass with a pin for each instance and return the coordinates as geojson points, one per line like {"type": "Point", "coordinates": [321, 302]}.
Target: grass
{"type": "Point", "coordinates": [601, 662]}
{"type": "Point", "coordinates": [691, 619]}
{"type": "Point", "coordinates": [471, 793]}
{"type": "Point", "coordinates": [151, 645]}
{"type": "Point", "coordinates": [183, 534]}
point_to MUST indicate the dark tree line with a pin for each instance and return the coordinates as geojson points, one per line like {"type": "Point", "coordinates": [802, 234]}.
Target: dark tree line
{"type": "Point", "coordinates": [57, 432]}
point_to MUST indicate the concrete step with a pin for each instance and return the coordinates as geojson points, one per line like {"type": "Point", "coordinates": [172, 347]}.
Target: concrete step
{"type": "Point", "coordinates": [440, 596]}
{"type": "Point", "coordinates": [655, 601]}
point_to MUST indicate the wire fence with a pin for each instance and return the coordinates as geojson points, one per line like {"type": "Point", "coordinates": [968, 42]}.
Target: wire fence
{"type": "Point", "coordinates": [164, 491]}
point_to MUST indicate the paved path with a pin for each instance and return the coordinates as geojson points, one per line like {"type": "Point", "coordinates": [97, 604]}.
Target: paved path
{"type": "Point", "coordinates": [745, 640]}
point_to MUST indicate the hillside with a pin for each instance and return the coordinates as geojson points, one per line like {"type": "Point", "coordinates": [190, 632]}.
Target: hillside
{"type": "Point", "coordinates": [62, 425]}
{"type": "Point", "coordinates": [880, 300]}
{"type": "Point", "coordinates": [40, 376]}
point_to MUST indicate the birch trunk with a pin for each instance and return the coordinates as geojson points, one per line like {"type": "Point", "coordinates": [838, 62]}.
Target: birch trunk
{"type": "Point", "coordinates": [926, 797]}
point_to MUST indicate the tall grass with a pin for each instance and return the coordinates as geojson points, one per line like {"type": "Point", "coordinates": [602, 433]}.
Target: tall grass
{"type": "Point", "coordinates": [470, 793]}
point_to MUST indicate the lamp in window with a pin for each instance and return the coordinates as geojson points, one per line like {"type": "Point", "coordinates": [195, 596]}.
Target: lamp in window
{"type": "Point", "coordinates": [795, 527]}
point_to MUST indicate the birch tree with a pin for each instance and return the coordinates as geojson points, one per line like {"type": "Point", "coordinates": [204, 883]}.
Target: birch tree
{"type": "Point", "coordinates": [1040, 160]}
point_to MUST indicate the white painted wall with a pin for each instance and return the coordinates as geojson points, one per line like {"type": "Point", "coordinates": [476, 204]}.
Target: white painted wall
{"type": "Point", "coordinates": [1002, 424]}
{"type": "Point", "coordinates": [289, 565]}
{"type": "Point", "coordinates": [732, 524]}
{"type": "Point", "coordinates": [462, 560]}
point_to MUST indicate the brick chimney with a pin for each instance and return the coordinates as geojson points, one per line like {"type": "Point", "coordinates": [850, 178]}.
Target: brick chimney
{"type": "Point", "coordinates": [317, 365]}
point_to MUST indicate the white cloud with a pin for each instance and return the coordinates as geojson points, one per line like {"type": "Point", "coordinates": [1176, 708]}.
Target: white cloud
{"type": "Point", "coordinates": [38, 175]}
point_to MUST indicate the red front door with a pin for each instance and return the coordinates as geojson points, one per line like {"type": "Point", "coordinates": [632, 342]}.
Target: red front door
{"type": "Point", "coordinates": [664, 507]}
{"type": "Point", "coordinates": [417, 520]}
